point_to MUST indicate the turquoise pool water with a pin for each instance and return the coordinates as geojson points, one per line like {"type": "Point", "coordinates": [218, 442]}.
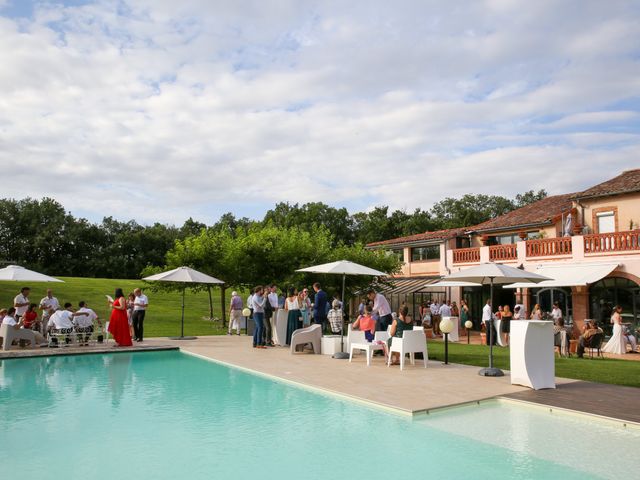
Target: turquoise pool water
{"type": "Point", "coordinates": [168, 415]}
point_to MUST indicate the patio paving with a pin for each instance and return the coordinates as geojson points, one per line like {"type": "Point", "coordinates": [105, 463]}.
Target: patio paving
{"type": "Point", "coordinates": [411, 391]}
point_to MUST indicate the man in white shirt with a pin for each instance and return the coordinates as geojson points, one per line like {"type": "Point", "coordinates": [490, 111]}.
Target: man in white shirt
{"type": "Point", "coordinates": [556, 313]}
{"type": "Point", "coordinates": [487, 315]}
{"type": "Point", "coordinates": [84, 323]}
{"type": "Point", "coordinates": [140, 305]}
{"type": "Point", "coordinates": [21, 333]}
{"type": "Point", "coordinates": [48, 305]}
{"type": "Point", "coordinates": [271, 317]}
{"type": "Point", "coordinates": [21, 302]}
{"type": "Point", "coordinates": [382, 308]}
{"type": "Point", "coordinates": [61, 321]}
{"type": "Point", "coordinates": [444, 310]}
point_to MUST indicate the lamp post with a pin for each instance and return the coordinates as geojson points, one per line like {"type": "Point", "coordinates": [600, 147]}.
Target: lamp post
{"type": "Point", "coordinates": [245, 313]}
{"type": "Point", "coordinates": [446, 327]}
{"type": "Point", "coordinates": [468, 325]}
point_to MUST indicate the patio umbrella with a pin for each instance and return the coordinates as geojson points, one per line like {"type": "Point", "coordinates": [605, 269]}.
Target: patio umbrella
{"type": "Point", "coordinates": [568, 226]}
{"type": "Point", "coordinates": [183, 275]}
{"type": "Point", "coordinates": [17, 273]}
{"type": "Point", "coordinates": [344, 268]}
{"type": "Point", "coordinates": [491, 274]}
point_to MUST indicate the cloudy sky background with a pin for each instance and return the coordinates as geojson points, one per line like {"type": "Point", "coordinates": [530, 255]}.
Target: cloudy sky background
{"type": "Point", "coordinates": [160, 110]}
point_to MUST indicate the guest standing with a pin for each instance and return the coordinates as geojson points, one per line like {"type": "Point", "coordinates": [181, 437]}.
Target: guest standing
{"type": "Point", "coordinates": [235, 312]}
{"type": "Point", "coordinates": [617, 343]}
{"type": "Point", "coordinates": [382, 308]}
{"type": "Point", "coordinates": [536, 313]}
{"type": "Point", "coordinates": [119, 322]}
{"type": "Point", "coordinates": [335, 317]}
{"type": "Point", "coordinates": [556, 313]}
{"type": "Point", "coordinates": [48, 305]}
{"type": "Point", "coordinates": [464, 315]}
{"type": "Point", "coordinates": [140, 304]}
{"type": "Point", "coordinates": [291, 305]}
{"type": "Point", "coordinates": [21, 302]}
{"type": "Point", "coordinates": [487, 316]}
{"type": "Point", "coordinates": [271, 315]}
{"type": "Point", "coordinates": [305, 307]}
{"type": "Point", "coordinates": [258, 300]}
{"type": "Point", "coordinates": [319, 305]}
{"type": "Point", "coordinates": [506, 323]}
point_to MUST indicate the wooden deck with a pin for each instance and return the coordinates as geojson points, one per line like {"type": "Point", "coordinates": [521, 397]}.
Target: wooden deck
{"type": "Point", "coordinates": [613, 401]}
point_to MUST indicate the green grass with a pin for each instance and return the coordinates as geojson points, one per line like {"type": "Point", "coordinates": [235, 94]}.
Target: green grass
{"type": "Point", "coordinates": [163, 315]}
{"type": "Point", "coordinates": [601, 370]}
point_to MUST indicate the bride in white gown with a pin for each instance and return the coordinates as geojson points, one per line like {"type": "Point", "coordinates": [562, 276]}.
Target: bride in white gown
{"type": "Point", "coordinates": [617, 343]}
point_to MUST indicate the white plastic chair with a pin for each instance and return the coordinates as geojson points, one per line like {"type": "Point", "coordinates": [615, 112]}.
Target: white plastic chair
{"type": "Point", "coordinates": [354, 336]}
{"type": "Point", "coordinates": [382, 336]}
{"type": "Point", "coordinates": [412, 342]}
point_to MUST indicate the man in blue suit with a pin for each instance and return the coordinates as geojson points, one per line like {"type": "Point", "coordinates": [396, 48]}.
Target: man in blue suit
{"type": "Point", "coordinates": [319, 306]}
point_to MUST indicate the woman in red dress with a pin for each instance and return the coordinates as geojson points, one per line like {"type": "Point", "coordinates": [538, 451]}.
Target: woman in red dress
{"type": "Point", "coordinates": [118, 323]}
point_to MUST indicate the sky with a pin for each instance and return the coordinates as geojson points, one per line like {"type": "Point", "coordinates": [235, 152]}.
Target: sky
{"type": "Point", "coordinates": [161, 110]}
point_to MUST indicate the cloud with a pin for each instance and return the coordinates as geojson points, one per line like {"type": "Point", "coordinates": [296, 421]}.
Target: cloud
{"type": "Point", "coordinates": [160, 110]}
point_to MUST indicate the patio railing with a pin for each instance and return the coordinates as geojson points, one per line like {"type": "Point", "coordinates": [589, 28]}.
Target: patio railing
{"type": "Point", "coordinates": [466, 255]}
{"type": "Point", "coordinates": [548, 247]}
{"type": "Point", "coordinates": [503, 252]}
{"type": "Point", "coordinates": [612, 242]}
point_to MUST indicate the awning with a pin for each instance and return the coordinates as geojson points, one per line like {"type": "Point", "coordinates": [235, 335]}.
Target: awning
{"type": "Point", "coordinates": [403, 286]}
{"type": "Point", "coordinates": [451, 283]}
{"type": "Point", "coordinates": [569, 275]}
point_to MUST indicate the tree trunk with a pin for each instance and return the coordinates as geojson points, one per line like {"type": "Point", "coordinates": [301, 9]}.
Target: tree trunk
{"type": "Point", "coordinates": [210, 303]}
{"type": "Point", "coordinates": [223, 307]}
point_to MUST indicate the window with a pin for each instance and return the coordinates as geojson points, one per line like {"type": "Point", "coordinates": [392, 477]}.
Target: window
{"type": "Point", "coordinates": [397, 252]}
{"type": "Point", "coordinates": [606, 222]}
{"type": "Point", "coordinates": [431, 252]}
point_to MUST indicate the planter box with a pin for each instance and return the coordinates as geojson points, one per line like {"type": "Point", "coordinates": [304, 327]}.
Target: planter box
{"type": "Point", "coordinates": [330, 344]}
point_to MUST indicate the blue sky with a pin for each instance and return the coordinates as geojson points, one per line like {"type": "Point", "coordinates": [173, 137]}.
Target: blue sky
{"type": "Point", "coordinates": [160, 110]}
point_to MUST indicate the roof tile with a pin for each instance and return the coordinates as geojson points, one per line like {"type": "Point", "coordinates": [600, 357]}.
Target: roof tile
{"type": "Point", "coordinates": [626, 182]}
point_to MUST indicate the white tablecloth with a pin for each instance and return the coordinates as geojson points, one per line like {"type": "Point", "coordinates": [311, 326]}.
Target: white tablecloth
{"type": "Point", "coordinates": [279, 327]}
{"type": "Point", "coordinates": [532, 355]}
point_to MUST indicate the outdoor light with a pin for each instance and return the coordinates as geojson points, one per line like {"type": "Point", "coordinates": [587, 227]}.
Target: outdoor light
{"type": "Point", "coordinates": [446, 327]}
{"type": "Point", "coordinates": [468, 325]}
{"type": "Point", "coordinates": [246, 312]}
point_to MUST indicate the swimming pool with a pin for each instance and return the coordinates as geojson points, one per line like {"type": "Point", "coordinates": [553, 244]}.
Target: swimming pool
{"type": "Point", "coordinates": [170, 415]}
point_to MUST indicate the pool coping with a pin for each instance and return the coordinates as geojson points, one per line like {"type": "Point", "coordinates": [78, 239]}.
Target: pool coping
{"type": "Point", "coordinates": [63, 352]}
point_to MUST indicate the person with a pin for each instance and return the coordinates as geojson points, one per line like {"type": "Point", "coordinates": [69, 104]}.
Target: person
{"type": "Point", "coordinates": [305, 307]}
{"type": "Point", "coordinates": [365, 323]}
{"type": "Point", "coordinates": [131, 298]}
{"type": "Point", "coordinates": [271, 307]}
{"type": "Point", "coordinates": [335, 317]}
{"type": "Point", "coordinates": [435, 317]}
{"type": "Point", "coordinates": [31, 317]}
{"type": "Point", "coordinates": [536, 313]}
{"type": "Point", "coordinates": [84, 323]}
{"type": "Point", "coordinates": [518, 312]}
{"type": "Point", "coordinates": [319, 305]}
{"type": "Point", "coordinates": [293, 308]}
{"type": "Point", "coordinates": [455, 311]}
{"type": "Point", "coordinates": [464, 316]}
{"type": "Point", "coordinates": [443, 311]}
{"type": "Point", "coordinates": [61, 321]}
{"type": "Point", "coordinates": [556, 313]}
{"type": "Point", "coordinates": [48, 305]}
{"type": "Point", "coordinates": [35, 338]}
{"type": "Point", "coordinates": [3, 313]}
{"type": "Point", "coordinates": [21, 302]}
{"type": "Point", "coordinates": [250, 306]}
{"type": "Point", "coordinates": [629, 338]}
{"type": "Point", "coordinates": [118, 321]}
{"type": "Point", "coordinates": [402, 323]}
{"type": "Point", "coordinates": [507, 315]}
{"type": "Point", "coordinates": [140, 304]}
{"type": "Point", "coordinates": [617, 343]}
{"type": "Point", "coordinates": [561, 338]}
{"type": "Point", "coordinates": [258, 300]}
{"type": "Point", "coordinates": [589, 330]}
{"type": "Point", "coordinates": [487, 316]}
{"type": "Point", "coordinates": [235, 313]}
{"type": "Point", "coordinates": [361, 307]}
{"type": "Point", "coordinates": [382, 308]}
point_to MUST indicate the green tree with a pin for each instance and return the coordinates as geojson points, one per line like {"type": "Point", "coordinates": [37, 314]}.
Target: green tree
{"type": "Point", "coordinates": [469, 210]}
{"type": "Point", "coordinates": [527, 198]}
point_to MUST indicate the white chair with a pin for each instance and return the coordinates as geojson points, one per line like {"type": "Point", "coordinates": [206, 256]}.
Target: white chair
{"type": "Point", "coordinates": [412, 342]}
{"type": "Point", "coordinates": [354, 336]}
{"type": "Point", "coordinates": [9, 334]}
{"type": "Point", "coordinates": [382, 336]}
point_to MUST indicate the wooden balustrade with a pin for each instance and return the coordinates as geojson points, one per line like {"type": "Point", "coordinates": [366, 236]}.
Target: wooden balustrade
{"type": "Point", "coordinates": [466, 255]}
{"type": "Point", "coordinates": [503, 252]}
{"type": "Point", "coordinates": [548, 247]}
{"type": "Point", "coordinates": [612, 242]}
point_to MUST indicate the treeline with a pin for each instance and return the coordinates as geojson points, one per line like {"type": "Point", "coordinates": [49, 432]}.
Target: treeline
{"type": "Point", "coordinates": [42, 235]}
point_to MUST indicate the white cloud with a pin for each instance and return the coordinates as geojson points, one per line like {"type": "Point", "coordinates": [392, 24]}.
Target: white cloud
{"type": "Point", "coordinates": [162, 110]}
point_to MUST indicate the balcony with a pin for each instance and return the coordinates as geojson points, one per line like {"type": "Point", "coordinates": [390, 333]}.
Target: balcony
{"type": "Point", "coordinates": [549, 247]}
{"type": "Point", "coordinates": [612, 242]}
{"type": "Point", "coordinates": [501, 253]}
{"type": "Point", "coordinates": [466, 255]}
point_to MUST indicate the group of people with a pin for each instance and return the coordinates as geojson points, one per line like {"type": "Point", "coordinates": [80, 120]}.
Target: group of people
{"type": "Point", "coordinates": [45, 322]}
{"type": "Point", "coordinates": [264, 303]}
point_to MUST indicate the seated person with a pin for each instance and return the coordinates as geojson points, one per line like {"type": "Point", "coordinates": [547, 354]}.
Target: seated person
{"type": "Point", "coordinates": [31, 317]}
{"type": "Point", "coordinates": [561, 337]}
{"type": "Point", "coordinates": [83, 320]}
{"type": "Point", "coordinates": [335, 317]}
{"type": "Point", "coordinates": [629, 338]}
{"type": "Point", "coordinates": [589, 330]}
{"type": "Point", "coordinates": [366, 323]}
{"type": "Point", "coordinates": [61, 321]}
{"type": "Point", "coordinates": [400, 324]}
{"type": "Point", "coordinates": [21, 333]}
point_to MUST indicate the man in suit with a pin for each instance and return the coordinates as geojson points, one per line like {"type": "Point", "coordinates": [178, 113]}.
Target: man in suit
{"type": "Point", "coordinates": [319, 306]}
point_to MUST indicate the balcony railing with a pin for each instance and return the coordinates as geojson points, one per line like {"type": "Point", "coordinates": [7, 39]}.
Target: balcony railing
{"type": "Point", "coordinates": [612, 242]}
{"type": "Point", "coordinates": [466, 255]}
{"type": "Point", "coordinates": [503, 252]}
{"type": "Point", "coordinates": [548, 247]}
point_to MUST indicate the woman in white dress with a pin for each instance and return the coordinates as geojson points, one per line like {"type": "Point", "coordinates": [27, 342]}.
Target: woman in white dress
{"type": "Point", "coordinates": [617, 343]}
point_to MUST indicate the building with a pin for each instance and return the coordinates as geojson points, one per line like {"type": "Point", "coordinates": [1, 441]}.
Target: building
{"type": "Point", "coordinates": [588, 242]}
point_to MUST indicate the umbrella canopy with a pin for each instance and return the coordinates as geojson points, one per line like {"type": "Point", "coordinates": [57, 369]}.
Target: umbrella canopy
{"type": "Point", "coordinates": [496, 273]}
{"type": "Point", "coordinates": [20, 274]}
{"type": "Point", "coordinates": [492, 274]}
{"type": "Point", "coordinates": [183, 275]}
{"type": "Point", "coordinates": [568, 226]}
{"type": "Point", "coordinates": [447, 283]}
{"type": "Point", "coordinates": [342, 267]}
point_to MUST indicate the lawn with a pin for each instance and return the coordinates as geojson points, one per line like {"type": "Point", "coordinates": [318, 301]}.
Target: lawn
{"type": "Point", "coordinates": [601, 370]}
{"type": "Point", "coordinates": [163, 315]}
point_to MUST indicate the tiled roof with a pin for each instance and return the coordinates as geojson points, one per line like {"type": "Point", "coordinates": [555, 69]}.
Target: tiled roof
{"type": "Point", "coordinates": [542, 212]}
{"type": "Point", "coordinates": [626, 182]}
{"type": "Point", "coordinates": [421, 237]}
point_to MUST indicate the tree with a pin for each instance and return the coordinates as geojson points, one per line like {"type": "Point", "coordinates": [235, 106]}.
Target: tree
{"type": "Point", "coordinates": [529, 197]}
{"type": "Point", "coordinates": [469, 210]}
